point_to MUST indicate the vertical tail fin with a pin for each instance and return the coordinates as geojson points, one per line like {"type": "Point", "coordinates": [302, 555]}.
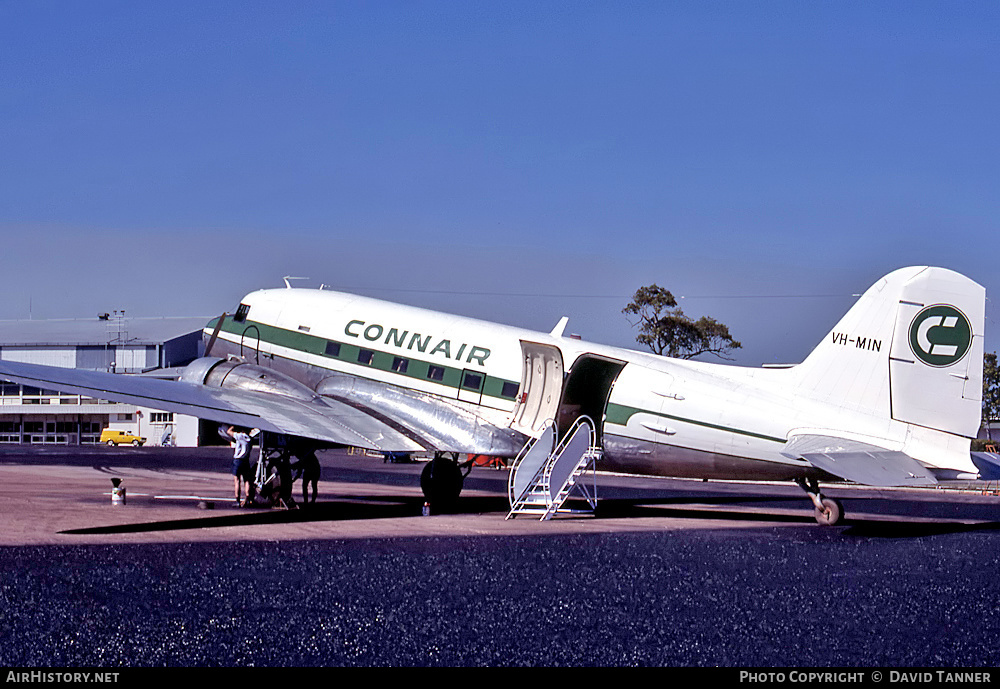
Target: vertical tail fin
{"type": "Point", "coordinates": [910, 349]}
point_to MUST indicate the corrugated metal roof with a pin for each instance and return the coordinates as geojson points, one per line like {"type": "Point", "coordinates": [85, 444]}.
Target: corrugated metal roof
{"type": "Point", "coordinates": [93, 331]}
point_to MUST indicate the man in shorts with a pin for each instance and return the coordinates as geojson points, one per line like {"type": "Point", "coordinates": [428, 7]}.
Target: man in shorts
{"type": "Point", "coordinates": [242, 473]}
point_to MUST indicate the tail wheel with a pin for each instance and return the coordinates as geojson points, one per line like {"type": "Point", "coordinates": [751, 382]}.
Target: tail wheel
{"type": "Point", "coordinates": [831, 513]}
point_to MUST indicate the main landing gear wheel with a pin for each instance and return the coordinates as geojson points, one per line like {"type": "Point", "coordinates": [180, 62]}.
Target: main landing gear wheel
{"type": "Point", "coordinates": [441, 482]}
{"type": "Point", "coordinates": [829, 511]}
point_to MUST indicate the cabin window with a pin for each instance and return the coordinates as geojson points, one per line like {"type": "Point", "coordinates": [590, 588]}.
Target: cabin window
{"type": "Point", "coordinates": [509, 390]}
{"type": "Point", "coordinates": [472, 381]}
{"type": "Point", "coordinates": [435, 373]}
{"type": "Point", "coordinates": [304, 328]}
{"type": "Point", "coordinates": [399, 364]}
{"type": "Point", "coordinates": [332, 349]}
{"type": "Point", "coordinates": [366, 357]}
{"type": "Point", "coordinates": [241, 313]}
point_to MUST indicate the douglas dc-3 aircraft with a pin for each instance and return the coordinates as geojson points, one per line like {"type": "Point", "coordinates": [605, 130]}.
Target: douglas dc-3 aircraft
{"type": "Point", "coordinates": [890, 397]}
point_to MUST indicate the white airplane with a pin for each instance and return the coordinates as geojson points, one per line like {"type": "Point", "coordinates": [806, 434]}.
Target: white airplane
{"type": "Point", "coordinates": [890, 397]}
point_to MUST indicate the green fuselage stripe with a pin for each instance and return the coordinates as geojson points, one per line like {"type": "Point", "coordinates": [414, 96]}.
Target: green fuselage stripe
{"type": "Point", "coordinates": [416, 369]}
{"type": "Point", "coordinates": [620, 414]}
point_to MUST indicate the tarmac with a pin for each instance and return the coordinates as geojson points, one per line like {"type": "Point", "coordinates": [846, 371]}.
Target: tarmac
{"type": "Point", "coordinates": [58, 495]}
{"type": "Point", "coordinates": [667, 573]}
{"type": "Point", "coordinates": [55, 496]}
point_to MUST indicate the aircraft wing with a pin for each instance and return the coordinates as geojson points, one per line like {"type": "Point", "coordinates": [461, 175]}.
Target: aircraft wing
{"type": "Point", "coordinates": [859, 462]}
{"type": "Point", "coordinates": [317, 417]}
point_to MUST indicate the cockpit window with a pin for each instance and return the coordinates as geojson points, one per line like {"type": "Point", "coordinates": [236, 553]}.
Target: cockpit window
{"type": "Point", "coordinates": [241, 313]}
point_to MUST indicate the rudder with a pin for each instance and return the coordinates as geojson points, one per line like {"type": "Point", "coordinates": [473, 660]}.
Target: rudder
{"type": "Point", "coordinates": [936, 360]}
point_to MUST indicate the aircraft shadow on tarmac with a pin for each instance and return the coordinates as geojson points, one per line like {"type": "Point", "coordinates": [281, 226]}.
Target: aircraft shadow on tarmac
{"type": "Point", "coordinates": [677, 508]}
{"type": "Point", "coordinates": [342, 509]}
{"type": "Point", "coordinates": [888, 526]}
{"type": "Point", "coordinates": [350, 508]}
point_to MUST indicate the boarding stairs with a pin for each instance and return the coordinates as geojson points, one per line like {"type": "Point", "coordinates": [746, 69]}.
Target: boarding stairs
{"type": "Point", "coordinates": [542, 478]}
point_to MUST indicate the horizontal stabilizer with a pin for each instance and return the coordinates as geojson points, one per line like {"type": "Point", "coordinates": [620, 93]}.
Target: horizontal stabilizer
{"type": "Point", "coordinates": [859, 462]}
{"type": "Point", "coordinates": [988, 464]}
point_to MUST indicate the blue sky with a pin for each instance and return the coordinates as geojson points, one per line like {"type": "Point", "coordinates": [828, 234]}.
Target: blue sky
{"type": "Point", "coordinates": [512, 161]}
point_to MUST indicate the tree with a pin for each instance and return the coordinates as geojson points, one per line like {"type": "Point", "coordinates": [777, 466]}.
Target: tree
{"type": "Point", "coordinates": [991, 391]}
{"type": "Point", "coordinates": [667, 331]}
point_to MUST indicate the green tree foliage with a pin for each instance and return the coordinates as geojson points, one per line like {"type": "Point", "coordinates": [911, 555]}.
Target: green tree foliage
{"type": "Point", "coordinates": [665, 329]}
{"type": "Point", "coordinates": [991, 391]}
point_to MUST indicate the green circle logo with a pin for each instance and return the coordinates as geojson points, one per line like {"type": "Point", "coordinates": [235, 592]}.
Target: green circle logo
{"type": "Point", "coordinates": [940, 335]}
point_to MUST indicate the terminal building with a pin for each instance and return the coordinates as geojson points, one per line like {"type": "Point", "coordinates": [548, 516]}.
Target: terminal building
{"type": "Point", "coordinates": [109, 342]}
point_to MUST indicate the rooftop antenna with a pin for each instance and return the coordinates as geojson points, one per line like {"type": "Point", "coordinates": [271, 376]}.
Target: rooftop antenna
{"type": "Point", "coordinates": [288, 285]}
{"type": "Point", "coordinates": [116, 322]}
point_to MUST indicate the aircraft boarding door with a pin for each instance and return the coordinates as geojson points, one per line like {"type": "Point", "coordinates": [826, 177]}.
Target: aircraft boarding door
{"type": "Point", "coordinates": [250, 344]}
{"type": "Point", "coordinates": [541, 388]}
{"type": "Point", "coordinates": [470, 388]}
{"type": "Point", "coordinates": [588, 388]}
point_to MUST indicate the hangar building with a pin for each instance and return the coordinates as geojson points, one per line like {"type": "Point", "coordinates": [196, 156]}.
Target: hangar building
{"type": "Point", "coordinates": [110, 342]}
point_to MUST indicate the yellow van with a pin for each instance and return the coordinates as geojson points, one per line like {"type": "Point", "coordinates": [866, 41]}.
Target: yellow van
{"type": "Point", "coordinates": [110, 436]}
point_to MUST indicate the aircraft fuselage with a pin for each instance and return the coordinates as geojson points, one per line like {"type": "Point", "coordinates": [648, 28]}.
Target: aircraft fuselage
{"type": "Point", "coordinates": [655, 415]}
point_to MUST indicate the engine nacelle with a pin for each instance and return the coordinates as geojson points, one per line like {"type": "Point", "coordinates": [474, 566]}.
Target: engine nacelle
{"type": "Point", "coordinates": [236, 374]}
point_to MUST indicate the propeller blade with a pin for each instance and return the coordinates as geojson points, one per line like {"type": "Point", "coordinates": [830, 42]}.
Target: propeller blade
{"type": "Point", "coordinates": [215, 334]}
